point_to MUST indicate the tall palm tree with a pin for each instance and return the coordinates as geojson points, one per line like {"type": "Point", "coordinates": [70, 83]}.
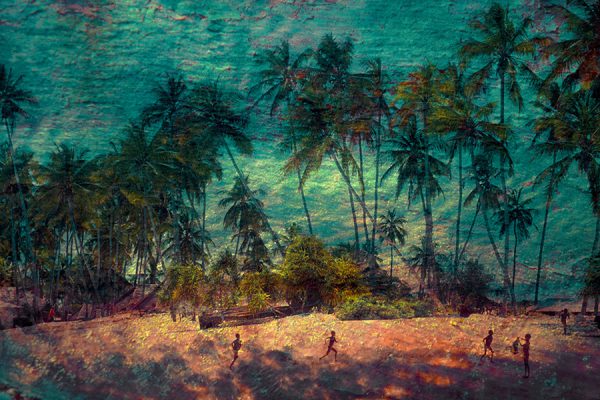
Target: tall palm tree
{"type": "Point", "coordinates": [391, 229]}
{"type": "Point", "coordinates": [12, 100]}
{"type": "Point", "coordinates": [578, 141]}
{"type": "Point", "coordinates": [577, 55]}
{"type": "Point", "coordinates": [145, 165]}
{"type": "Point", "coordinates": [216, 114]}
{"type": "Point", "coordinates": [279, 81]}
{"type": "Point", "coordinates": [418, 95]}
{"type": "Point", "coordinates": [459, 115]}
{"type": "Point", "coordinates": [245, 214]}
{"type": "Point", "coordinates": [550, 103]}
{"type": "Point", "coordinates": [409, 153]}
{"type": "Point", "coordinates": [521, 219]}
{"type": "Point", "coordinates": [502, 44]}
{"type": "Point", "coordinates": [67, 185]}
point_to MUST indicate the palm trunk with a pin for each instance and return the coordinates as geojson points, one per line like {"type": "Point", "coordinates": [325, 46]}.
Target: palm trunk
{"type": "Point", "coordinates": [462, 252]}
{"type": "Point", "coordinates": [15, 257]}
{"type": "Point", "coordinates": [391, 261]}
{"type": "Point", "coordinates": [505, 190]}
{"type": "Point", "coordinates": [242, 179]}
{"type": "Point", "coordinates": [514, 272]}
{"type": "Point", "coordinates": [203, 255]}
{"type": "Point", "coordinates": [356, 239]}
{"type": "Point", "coordinates": [459, 212]}
{"type": "Point", "coordinates": [362, 188]}
{"type": "Point", "coordinates": [376, 188]}
{"type": "Point", "coordinates": [428, 209]}
{"type": "Point", "coordinates": [505, 277]}
{"type": "Point", "coordinates": [349, 184]}
{"type": "Point", "coordinates": [542, 242]}
{"type": "Point", "coordinates": [425, 268]}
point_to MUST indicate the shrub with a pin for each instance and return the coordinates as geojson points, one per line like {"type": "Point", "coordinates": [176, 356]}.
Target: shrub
{"type": "Point", "coordinates": [311, 275]}
{"type": "Point", "coordinates": [365, 307]}
{"type": "Point", "coordinates": [259, 288]}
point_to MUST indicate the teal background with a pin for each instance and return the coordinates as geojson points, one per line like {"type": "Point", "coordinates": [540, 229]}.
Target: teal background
{"type": "Point", "coordinates": [92, 64]}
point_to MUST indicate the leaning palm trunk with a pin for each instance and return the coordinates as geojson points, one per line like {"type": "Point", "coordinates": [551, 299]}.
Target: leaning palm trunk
{"type": "Point", "coordinates": [376, 188]}
{"type": "Point", "coordinates": [505, 277]}
{"type": "Point", "coordinates": [301, 184]}
{"type": "Point", "coordinates": [543, 238]}
{"type": "Point", "coordinates": [514, 271]}
{"type": "Point", "coordinates": [243, 181]}
{"type": "Point", "coordinates": [356, 238]}
{"type": "Point", "coordinates": [458, 213]}
{"type": "Point", "coordinates": [361, 177]}
{"type": "Point", "coordinates": [346, 178]}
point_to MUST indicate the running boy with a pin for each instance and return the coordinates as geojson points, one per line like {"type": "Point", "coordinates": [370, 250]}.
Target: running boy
{"type": "Point", "coordinates": [488, 346]}
{"type": "Point", "coordinates": [564, 315]}
{"type": "Point", "coordinates": [332, 340]}
{"type": "Point", "coordinates": [236, 345]}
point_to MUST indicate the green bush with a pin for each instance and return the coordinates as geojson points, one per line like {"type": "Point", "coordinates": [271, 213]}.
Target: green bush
{"type": "Point", "coordinates": [259, 288]}
{"type": "Point", "coordinates": [365, 307]}
{"type": "Point", "coordinates": [312, 276]}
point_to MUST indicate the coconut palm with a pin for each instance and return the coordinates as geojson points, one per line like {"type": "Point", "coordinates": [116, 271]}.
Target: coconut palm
{"type": "Point", "coordinates": [503, 44]}
{"type": "Point", "coordinates": [12, 100]}
{"type": "Point", "coordinates": [418, 95]}
{"type": "Point", "coordinates": [391, 229]}
{"type": "Point", "coordinates": [279, 81]}
{"type": "Point", "coordinates": [521, 219]}
{"type": "Point", "coordinates": [409, 153]}
{"type": "Point", "coordinates": [578, 141]}
{"type": "Point", "coordinates": [215, 113]}
{"type": "Point", "coordinates": [67, 187]}
{"type": "Point", "coordinates": [549, 102]}
{"type": "Point", "coordinates": [467, 122]}
{"type": "Point", "coordinates": [576, 56]}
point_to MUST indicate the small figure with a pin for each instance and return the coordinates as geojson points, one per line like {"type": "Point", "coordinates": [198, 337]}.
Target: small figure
{"type": "Point", "coordinates": [488, 346]}
{"type": "Point", "coordinates": [515, 345]}
{"type": "Point", "coordinates": [564, 315]}
{"type": "Point", "coordinates": [236, 345]}
{"type": "Point", "coordinates": [51, 314]}
{"type": "Point", "coordinates": [330, 347]}
{"type": "Point", "coordinates": [526, 354]}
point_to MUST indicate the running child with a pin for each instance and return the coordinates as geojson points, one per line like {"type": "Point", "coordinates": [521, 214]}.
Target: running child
{"type": "Point", "coordinates": [332, 340]}
{"type": "Point", "coordinates": [236, 345]}
{"type": "Point", "coordinates": [488, 346]}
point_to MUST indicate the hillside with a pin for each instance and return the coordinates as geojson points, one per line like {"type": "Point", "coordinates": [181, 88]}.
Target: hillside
{"type": "Point", "coordinates": [128, 357]}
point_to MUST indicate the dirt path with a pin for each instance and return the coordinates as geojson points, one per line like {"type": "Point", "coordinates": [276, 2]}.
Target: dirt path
{"type": "Point", "coordinates": [127, 357]}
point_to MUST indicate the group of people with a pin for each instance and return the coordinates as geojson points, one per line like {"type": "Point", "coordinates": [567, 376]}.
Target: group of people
{"type": "Point", "coordinates": [236, 345]}
{"type": "Point", "coordinates": [564, 315]}
{"type": "Point", "coordinates": [487, 346]}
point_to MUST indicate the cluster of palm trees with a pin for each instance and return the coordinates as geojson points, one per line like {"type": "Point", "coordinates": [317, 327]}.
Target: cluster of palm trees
{"type": "Point", "coordinates": [83, 222]}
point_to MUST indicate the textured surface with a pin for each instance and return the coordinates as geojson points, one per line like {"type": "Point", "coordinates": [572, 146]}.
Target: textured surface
{"type": "Point", "coordinates": [91, 64]}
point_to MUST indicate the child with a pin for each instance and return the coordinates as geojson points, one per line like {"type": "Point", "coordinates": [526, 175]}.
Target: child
{"type": "Point", "coordinates": [488, 346]}
{"type": "Point", "coordinates": [330, 347]}
{"type": "Point", "coordinates": [526, 354]}
{"type": "Point", "coordinates": [236, 345]}
{"type": "Point", "coordinates": [564, 315]}
{"type": "Point", "coordinates": [515, 345]}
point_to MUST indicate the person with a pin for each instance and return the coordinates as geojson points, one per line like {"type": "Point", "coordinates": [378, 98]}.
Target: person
{"type": "Point", "coordinates": [515, 345]}
{"type": "Point", "coordinates": [332, 340]}
{"type": "Point", "coordinates": [564, 315]}
{"type": "Point", "coordinates": [488, 346]}
{"type": "Point", "coordinates": [236, 345]}
{"type": "Point", "coordinates": [51, 314]}
{"type": "Point", "coordinates": [525, 347]}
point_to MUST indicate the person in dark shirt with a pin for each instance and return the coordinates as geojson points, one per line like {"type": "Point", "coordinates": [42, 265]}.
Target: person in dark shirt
{"type": "Point", "coordinates": [564, 316]}
{"type": "Point", "coordinates": [332, 340]}
{"type": "Point", "coordinates": [236, 345]}
{"type": "Point", "coordinates": [488, 346]}
{"type": "Point", "coordinates": [525, 347]}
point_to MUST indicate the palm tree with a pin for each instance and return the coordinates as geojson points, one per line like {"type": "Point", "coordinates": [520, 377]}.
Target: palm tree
{"type": "Point", "coordinates": [391, 229]}
{"type": "Point", "coordinates": [67, 186]}
{"type": "Point", "coordinates": [550, 103]}
{"type": "Point", "coordinates": [409, 153]}
{"type": "Point", "coordinates": [145, 165]}
{"type": "Point", "coordinates": [577, 56]}
{"type": "Point", "coordinates": [418, 95]}
{"type": "Point", "coordinates": [578, 138]}
{"type": "Point", "coordinates": [215, 114]}
{"type": "Point", "coordinates": [245, 214]}
{"type": "Point", "coordinates": [279, 81]}
{"type": "Point", "coordinates": [12, 99]}
{"type": "Point", "coordinates": [502, 44]}
{"type": "Point", "coordinates": [521, 219]}
{"type": "Point", "coordinates": [487, 195]}
{"type": "Point", "coordinates": [467, 121]}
